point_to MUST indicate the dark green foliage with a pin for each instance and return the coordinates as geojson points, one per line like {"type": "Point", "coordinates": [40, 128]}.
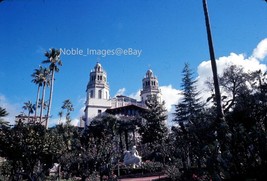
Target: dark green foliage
{"type": "Point", "coordinates": [90, 150]}
{"type": "Point", "coordinates": [29, 150]}
{"type": "Point", "coordinates": [154, 129]}
{"type": "Point", "coordinates": [3, 113]}
{"type": "Point", "coordinates": [67, 105]}
{"type": "Point", "coordinates": [199, 148]}
{"type": "Point", "coordinates": [247, 121]}
{"type": "Point", "coordinates": [53, 59]}
{"type": "Point", "coordinates": [233, 83]}
{"type": "Point", "coordinates": [237, 150]}
{"type": "Point", "coordinates": [190, 117]}
{"type": "Point", "coordinates": [189, 108]}
{"type": "Point", "coordinates": [126, 129]}
{"type": "Point", "coordinates": [28, 106]}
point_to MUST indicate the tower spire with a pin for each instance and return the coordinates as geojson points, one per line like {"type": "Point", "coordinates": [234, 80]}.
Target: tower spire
{"type": "Point", "coordinates": [150, 86]}
{"type": "Point", "coordinates": [97, 90]}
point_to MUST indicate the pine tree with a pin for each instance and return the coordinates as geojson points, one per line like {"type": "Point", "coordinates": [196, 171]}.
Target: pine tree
{"type": "Point", "coordinates": [190, 107]}
{"type": "Point", "coordinates": [188, 115]}
{"type": "Point", "coordinates": [154, 129]}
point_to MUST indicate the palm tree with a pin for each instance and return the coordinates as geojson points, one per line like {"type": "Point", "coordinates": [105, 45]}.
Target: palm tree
{"type": "Point", "coordinates": [53, 58]}
{"type": "Point", "coordinates": [60, 114]}
{"type": "Point", "coordinates": [46, 82]}
{"type": "Point", "coordinates": [221, 127]}
{"type": "Point", "coordinates": [3, 113]}
{"type": "Point", "coordinates": [30, 107]}
{"type": "Point", "coordinates": [38, 80]}
{"type": "Point", "coordinates": [213, 63]}
{"type": "Point", "coordinates": [69, 107]}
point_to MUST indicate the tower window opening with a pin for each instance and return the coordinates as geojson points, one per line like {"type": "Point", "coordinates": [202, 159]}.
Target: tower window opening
{"type": "Point", "coordinates": [99, 94]}
{"type": "Point", "coordinates": [91, 94]}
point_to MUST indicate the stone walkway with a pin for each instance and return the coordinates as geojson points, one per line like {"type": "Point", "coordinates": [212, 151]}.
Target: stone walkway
{"type": "Point", "coordinates": [142, 178]}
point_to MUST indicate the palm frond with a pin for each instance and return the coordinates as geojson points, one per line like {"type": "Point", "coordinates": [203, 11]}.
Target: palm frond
{"type": "Point", "coordinates": [3, 112]}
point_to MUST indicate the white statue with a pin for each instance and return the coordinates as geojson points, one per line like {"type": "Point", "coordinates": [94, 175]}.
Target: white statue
{"type": "Point", "coordinates": [132, 158]}
{"type": "Point", "coordinates": [55, 168]}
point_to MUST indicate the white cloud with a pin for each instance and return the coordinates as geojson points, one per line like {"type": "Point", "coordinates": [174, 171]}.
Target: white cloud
{"type": "Point", "coordinates": [55, 121]}
{"type": "Point", "coordinates": [170, 95]}
{"type": "Point", "coordinates": [136, 95]}
{"type": "Point", "coordinates": [249, 64]}
{"type": "Point", "coordinates": [260, 52]}
{"type": "Point", "coordinates": [13, 109]}
{"type": "Point", "coordinates": [120, 91]}
{"type": "Point", "coordinates": [82, 100]}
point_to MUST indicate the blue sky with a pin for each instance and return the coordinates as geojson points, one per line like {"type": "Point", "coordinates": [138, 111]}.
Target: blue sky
{"type": "Point", "coordinates": [169, 33]}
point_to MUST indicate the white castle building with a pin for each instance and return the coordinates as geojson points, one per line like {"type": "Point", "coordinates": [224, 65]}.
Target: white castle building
{"type": "Point", "coordinates": [98, 98]}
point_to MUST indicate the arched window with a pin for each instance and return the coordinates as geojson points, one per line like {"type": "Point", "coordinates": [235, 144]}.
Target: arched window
{"type": "Point", "coordinates": [99, 94]}
{"type": "Point", "coordinates": [91, 94]}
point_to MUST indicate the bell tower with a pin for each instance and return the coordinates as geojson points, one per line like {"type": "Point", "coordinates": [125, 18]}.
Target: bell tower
{"type": "Point", "coordinates": [150, 87]}
{"type": "Point", "coordinates": [97, 94]}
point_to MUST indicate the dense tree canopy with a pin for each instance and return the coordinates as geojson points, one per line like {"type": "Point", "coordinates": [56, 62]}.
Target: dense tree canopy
{"type": "Point", "coordinates": [29, 149]}
{"type": "Point", "coordinates": [198, 146]}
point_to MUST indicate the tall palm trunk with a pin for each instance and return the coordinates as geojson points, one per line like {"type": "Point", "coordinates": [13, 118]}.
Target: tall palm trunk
{"type": "Point", "coordinates": [36, 105]}
{"type": "Point", "coordinates": [213, 63]}
{"type": "Point", "coordinates": [42, 103]}
{"type": "Point", "coordinates": [50, 97]}
{"type": "Point", "coordinates": [29, 113]}
{"type": "Point", "coordinates": [221, 128]}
